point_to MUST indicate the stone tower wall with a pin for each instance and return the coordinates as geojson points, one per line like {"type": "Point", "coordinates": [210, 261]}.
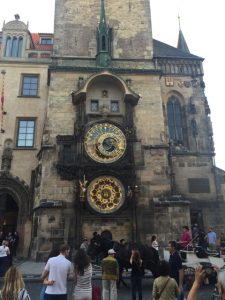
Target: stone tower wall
{"type": "Point", "coordinates": [76, 23]}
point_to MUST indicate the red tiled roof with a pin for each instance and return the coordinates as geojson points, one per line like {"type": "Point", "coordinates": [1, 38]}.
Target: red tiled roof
{"type": "Point", "coordinates": [36, 41]}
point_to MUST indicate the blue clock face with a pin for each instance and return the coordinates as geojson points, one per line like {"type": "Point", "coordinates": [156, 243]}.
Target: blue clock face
{"type": "Point", "coordinates": [105, 143]}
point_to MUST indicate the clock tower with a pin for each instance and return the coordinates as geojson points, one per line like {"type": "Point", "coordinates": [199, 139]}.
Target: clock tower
{"type": "Point", "coordinates": [123, 147]}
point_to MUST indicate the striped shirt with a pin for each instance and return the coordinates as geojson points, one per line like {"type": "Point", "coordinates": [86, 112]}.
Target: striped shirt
{"type": "Point", "coordinates": [83, 286]}
{"type": "Point", "coordinates": [22, 295]}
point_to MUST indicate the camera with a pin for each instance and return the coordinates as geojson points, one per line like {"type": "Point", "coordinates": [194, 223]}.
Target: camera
{"type": "Point", "coordinates": [207, 266]}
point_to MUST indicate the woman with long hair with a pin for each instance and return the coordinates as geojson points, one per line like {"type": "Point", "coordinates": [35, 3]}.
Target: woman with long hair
{"type": "Point", "coordinates": [154, 243]}
{"type": "Point", "coordinates": [14, 287]}
{"type": "Point", "coordinates": [82, 276]}
{"type": "Point", "coordinates": [136, 274]}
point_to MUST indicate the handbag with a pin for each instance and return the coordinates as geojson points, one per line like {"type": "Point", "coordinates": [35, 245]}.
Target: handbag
{"type": "Point", "coordinates": [158, 294]}
{"type": "Point", "coordinates": [96, 293]}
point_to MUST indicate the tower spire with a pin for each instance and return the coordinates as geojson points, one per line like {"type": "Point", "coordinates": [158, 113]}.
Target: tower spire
{"type": "Point", "coordinates": [102, 15]}
{"type": "Point", "coordinates": [182, 45]}
{"type": "Point", "coordinates": [103, 40]}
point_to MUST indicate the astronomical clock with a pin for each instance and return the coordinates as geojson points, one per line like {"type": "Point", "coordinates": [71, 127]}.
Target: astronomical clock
{"type": "Point", "coordinates": [105, 194]}
{"type": "Point", "coordinates": [105, 144]}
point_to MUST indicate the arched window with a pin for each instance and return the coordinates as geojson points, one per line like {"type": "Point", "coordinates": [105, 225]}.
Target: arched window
{"type": "Point", "coordinates": [103, 43]}
{"type": "Point", "coordinates": [20, 47]}
{"type": "Point", "coordinates": [174, 115]}
{"type": "Point", "coordinates": [8, 46]}
{"type": "Point", "coordinates": [14, 47]}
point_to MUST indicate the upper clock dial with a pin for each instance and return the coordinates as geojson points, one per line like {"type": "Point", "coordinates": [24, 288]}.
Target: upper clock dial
{"type": "Point", "coordinates": [105, 143]}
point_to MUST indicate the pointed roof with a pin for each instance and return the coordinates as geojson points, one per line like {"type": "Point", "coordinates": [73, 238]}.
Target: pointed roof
{"type": "Point", "coordinates": [182, 45]}
{"type": "Point", "coordinates": [102, 23]}
{"type": "Point", "coordinates": [162, 50]}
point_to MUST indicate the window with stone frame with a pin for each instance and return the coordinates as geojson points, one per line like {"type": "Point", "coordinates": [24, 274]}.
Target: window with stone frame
{"type": "Point", "coordinates": [175, 120]}
{"type": "Point", "coordinates": [25, 132]}
{"type": "Point", "coordinates": [94, 105]}
{"type": "Point", "coordinates": [30, 85]}
{"type": "Point", "coordinates": [14, 46]}
{"type": "Point", "coordinates": [115, 107]}
{"type": "Point", "coordinates": [46, 41]}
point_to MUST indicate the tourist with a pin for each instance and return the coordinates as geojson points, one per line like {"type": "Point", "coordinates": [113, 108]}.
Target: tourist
{"type": "Point", "coordinates": [199, 278]}
{"type": "Point", "coordinates": [110, 275]}
{"type": "Point", "coordinates": [136, 274]}
{"type": "Point", "coordinates": [165, 287]}
{"type": "Point", "coordinates": [57, 270]}
{"type": "Point", "coordinates": [185, 238]}
{"type": "Point", "coordinates": [82, 276]}
{"type": "Point", "coordinates": [2, 237]}
{"type": "Point", "coordinates": [15, 243]}
{"type": "Point", "coordinates": [14, 287]}
{"type": "Point", "coordinates": [4, 262]}
{"type": "Point", "coordinates": [95, 246]}
{"type": "Point", "coordinates": [84, 245]}
{"type": "Point", "coordinates": [10, 240]}
{"type": "Point", "coordinates": [154, 243]}
{"type": "Point", "coordinates": [211, 238]}
{"type": "Point", "coordinates": [121, 257]}
{"type": "Point", "coordinates": [202, 239]}
{"type": "Point", "coordinates": [176, 268]}
{"type": "Point", "coordinates": [46, 282]}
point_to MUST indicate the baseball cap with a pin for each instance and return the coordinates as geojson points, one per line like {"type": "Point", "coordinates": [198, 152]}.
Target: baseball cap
{"type": "Point", "coordinates": [111, 251]}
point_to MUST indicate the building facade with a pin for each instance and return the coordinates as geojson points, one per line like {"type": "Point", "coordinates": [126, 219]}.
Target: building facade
{"type": "Point", "coordinates": [113, 133]}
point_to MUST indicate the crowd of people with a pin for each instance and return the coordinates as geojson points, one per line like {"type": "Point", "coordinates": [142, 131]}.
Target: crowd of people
{"type": "Point", "coordinates": [167, 285]}
{"type": "Point", "coordinates": [8, 250]}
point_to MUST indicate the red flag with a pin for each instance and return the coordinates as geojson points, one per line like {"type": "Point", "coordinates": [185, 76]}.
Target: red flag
{"type": "Point", "coordinates": [3, 92]}
{"type": "Point", "coordinates": [2, 99]}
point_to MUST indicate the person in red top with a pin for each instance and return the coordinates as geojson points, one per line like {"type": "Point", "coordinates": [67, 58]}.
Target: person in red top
{"type": "Point", "coordinates": [185, 238]}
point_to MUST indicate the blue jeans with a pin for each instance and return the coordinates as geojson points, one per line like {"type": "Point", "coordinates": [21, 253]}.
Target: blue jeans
{"type": "Point", "coordinates": [42, 293]}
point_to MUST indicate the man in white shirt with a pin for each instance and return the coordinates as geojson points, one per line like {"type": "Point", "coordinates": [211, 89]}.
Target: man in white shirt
{"type": "Point", "coordinates": [57, 270]}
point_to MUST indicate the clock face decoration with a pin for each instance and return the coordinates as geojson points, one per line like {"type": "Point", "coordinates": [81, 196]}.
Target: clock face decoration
{"type": "Point", "coordinates": [105, 194]}
{"type": "Point", "coordinates": [105, 143]}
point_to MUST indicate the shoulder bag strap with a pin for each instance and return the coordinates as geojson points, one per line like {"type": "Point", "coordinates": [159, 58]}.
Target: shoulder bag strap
{"type": "Point", "coordinates": [160, 293]}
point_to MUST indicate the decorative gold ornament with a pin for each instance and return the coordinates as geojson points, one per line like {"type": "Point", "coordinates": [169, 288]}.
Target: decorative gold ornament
{"type": "Point", "coordinates": [105, 143]}
{"type": "Point", "coordinates": [83, 185]}
{"type": "Point", "coordinates": [105, 194]}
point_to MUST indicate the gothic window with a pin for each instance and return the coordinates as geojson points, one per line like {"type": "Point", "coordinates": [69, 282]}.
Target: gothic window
{"type": "Point", "coordinates": [30, 85]}
{"type": "Point", "coordinates": [174, 115]}
{"type": "Point", "coordinates": [25, 133]}
{"type": "Point", "coordinates": [115, 106]}
{"type": "Point", "coordinates": [94, 105]}
{"type": "Point", "coordinates": [20, 47]}
{"type": "Point", "coordinates": [8, 46]}
{"type": "Point", "coordinates": [14, 47]}
{"type": "Point", "coordinates": [103, 43]}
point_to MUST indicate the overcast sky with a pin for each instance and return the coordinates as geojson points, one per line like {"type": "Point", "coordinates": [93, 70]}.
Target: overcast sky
{"type": "Point", "coordinates": [202, 23]}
